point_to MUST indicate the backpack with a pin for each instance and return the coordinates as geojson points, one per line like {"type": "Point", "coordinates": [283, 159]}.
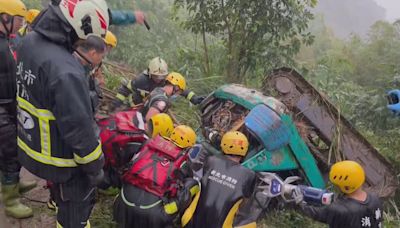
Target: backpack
{"type": "Point", "coordinates": [120, 137]}
{"type": "Point", "coordinates": [156, 167]}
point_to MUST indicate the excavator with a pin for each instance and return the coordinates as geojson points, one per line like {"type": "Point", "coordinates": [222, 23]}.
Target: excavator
{"type": "Point", "coordinates": [318, 134]}
{"type": "Point", "coordinates": [293, 129]}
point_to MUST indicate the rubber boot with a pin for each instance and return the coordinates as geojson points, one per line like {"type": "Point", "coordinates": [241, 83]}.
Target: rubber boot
{"type": "Point", "coordinates": [26, 186]}
{"type": "Point", "coordinates": [12, 205]}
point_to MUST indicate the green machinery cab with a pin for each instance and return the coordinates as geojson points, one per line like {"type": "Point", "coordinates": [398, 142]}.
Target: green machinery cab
{"type": "Point", "coordinates": [232, 100]}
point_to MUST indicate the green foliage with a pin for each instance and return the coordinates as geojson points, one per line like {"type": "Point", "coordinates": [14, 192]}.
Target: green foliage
{"type": "Point", "coordinates": [289, 218]}
{"type": "Point", "coordinates": [255, 33]}
{"type": "Point", "coordinates": [355, 74]}
{"type": "Point", "coordinates": [244, 39]}
{"type": "Point", "coordinates": [33, 4]}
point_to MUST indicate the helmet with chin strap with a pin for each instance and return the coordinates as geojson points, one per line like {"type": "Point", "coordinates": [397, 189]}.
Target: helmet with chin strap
{"type": "Point", "coordinates": [12, 8]}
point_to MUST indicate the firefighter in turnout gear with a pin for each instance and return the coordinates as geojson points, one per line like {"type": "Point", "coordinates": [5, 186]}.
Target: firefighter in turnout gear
{"type": "Point", "coordinates": [89, 53]}
{"type": "Point", "coordinates": [224, 186]}
{"type": "Point", "coordinates": [11, 17]}
{"type": "Point", "coordinates": [158, 186]}
{"type": "Point", "coordinates": [134, 91]}
{"type": "Point", "coordinates": [56, 136]}
{"type": "Point", "coordinates": [356, 208]}
{"type": "Point", "coordinates": [97, 78]}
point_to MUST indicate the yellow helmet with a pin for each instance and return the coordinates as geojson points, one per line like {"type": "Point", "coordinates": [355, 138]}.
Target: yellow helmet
{"type": "Point", "coordinates": [31, 15]}
{"type": "Point", "coordinates": [177, 79]}
{"type": "Point", "coordinates": [161, 124]}
{"type": "Point", "coordinates": [347, 175]}
{"type": "Point", "coordinates": [234, 143]}
{"type": "Point", "coordinates": [13, 7]}
{"type": "Point", "coordinates": [183, 136]}
{"type": "Point", "coordinates": [110, 39]}
{"type": "Point", "coordinates": [158, 66]}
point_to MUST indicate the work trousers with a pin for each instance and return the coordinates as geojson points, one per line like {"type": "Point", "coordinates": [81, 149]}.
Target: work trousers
{"type": "Point", "coordinates": [75, 200]}
{"type": "Point", "coordinates": [9, 165]}
{"type": "Point", "coordinates": [136, 208]}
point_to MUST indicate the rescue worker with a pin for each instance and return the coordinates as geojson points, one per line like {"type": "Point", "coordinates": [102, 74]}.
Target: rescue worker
{"type": "Point", "coordinates": [120, 17]}
{"type": "Point", "coordinates": [224, 185]}
{"type": "Point", "coordinates": [12, 13]}
{"type": "Point", "coordinates": [140, 205]}
{"type": "Point", "coordinates": [158, 100]}
{"type": "Point", "coordinates": [90, 54]}
{"type": "Point", "coordinates": [29, 18]}
{"type": "Point", "coordinates": [159, 124]}
{"type": "Point", "coordinates": [56, 135]}
{"type": "Point", "coordinates": [356, 208]}
{"type": "Point", "coordinates": [98, 78]}
{"type": "Point", "coordinates": [134, 91]}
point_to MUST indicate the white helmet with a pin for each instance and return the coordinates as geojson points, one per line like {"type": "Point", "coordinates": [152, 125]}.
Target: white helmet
{"type": "Point", "coordinates": [87, 17]}
{"type": "Point", "coordinates": [158, 66]}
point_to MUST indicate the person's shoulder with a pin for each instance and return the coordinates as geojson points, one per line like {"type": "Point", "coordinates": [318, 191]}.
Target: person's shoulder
{"type": "Point", "coordinates": [339, 207]}
{"type": "Point", "coordinates": [142, 77]}
{"type": "Point", "coordinates": [247, 171]}
{"type": "Point", "coordinates": [374, 199]}
{"type": "Point", "coordinates": [214, 160]}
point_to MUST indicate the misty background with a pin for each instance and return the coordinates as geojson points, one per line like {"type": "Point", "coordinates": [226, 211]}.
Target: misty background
{"type": "Point", "coordinates": [345, 17]}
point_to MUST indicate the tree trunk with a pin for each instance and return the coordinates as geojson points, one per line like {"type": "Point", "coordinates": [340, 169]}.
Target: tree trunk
{"type": "Point", "coordinates": [233, 67]}
{"type": "Point", "coordinates": [206, 58]}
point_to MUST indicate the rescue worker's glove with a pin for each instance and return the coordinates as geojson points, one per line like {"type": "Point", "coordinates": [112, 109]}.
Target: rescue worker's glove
{"type": "Point", "coordinates": [196, 99]}
{"type": "Point", "coordinates": [96, 179]}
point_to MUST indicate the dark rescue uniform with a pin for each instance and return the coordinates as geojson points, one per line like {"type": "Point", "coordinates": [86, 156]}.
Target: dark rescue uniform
{"type": "Point", "coordinates": [136, 90]}
{"type": "Point", "coordinates": [347, 212]}
{"type": "Point", "coordinates": [224, 185]}
{"type": "Point", "coordinates": [134, 207]}
{"type": "Point", "coordinates": [137, 208]}
{"type": "Point", "coordinates": [56, 137]}
{"type": "Point", "coordinates": [9, 165]}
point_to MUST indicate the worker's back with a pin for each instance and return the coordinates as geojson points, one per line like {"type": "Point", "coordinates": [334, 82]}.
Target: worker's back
{"type": "Point", "coordinates": [224, 185]}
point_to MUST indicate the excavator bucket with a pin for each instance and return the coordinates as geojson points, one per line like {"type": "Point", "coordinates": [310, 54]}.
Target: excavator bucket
{"type": "Point", "coordinates": [326, 132]}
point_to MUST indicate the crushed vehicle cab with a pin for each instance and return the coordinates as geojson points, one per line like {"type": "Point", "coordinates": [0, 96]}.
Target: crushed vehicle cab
{"type": "Point", "coordinates": [293, 130]}
{"type": "Point", "coordinates": [275, 144]}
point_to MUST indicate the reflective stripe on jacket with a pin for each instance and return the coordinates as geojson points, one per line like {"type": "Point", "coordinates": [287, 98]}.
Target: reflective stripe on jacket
{"type": "Point", "coordinates": [55, 119]}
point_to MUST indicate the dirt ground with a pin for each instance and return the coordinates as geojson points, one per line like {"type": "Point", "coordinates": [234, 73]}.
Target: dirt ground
{"type": "Point", "coordinates": [36, 198]}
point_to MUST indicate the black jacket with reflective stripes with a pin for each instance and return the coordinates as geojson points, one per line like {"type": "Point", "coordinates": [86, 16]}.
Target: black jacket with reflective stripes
{"type": "Point", "coordinates": [223, 187]}
{"type": "Point", "coordinates": [7, 72]}
{"type": "Point", "coordinates": [347, 212]}
{"type": "Point", "coordinates": [137, 89]}
{"type": "Point", "coordinates": [55, 128]}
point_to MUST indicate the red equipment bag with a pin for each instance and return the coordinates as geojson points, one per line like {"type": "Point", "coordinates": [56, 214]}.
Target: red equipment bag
{"type": "Point", "coordinates": [155, 168]}
{"type": "Point", "coordinates": [119, 135]}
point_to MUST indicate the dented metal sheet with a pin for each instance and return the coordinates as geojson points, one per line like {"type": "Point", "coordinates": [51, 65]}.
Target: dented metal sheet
{"type": "Point", "coordinates": [311, 107]}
